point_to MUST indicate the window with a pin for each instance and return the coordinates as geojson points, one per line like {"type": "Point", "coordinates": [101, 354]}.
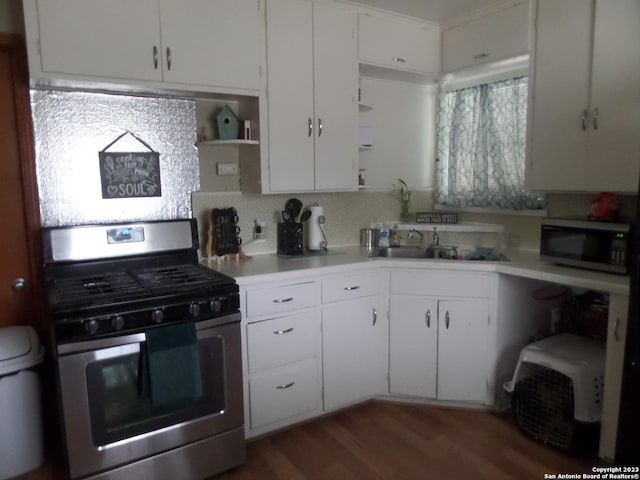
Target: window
{"type": "Point", "coordinates": [481, 147]}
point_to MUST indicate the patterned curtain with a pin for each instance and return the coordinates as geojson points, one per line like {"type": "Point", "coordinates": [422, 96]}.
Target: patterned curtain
{"type": "Point", "coordinates": [481, 147]}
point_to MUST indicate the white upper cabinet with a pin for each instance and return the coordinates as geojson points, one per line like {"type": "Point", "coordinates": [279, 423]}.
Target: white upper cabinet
{"type": "Point", "coordinates": [496, 36]}
{"type": "Point", "coordinates": [212, 42]}
{"type": "Point", "coordinates": [312, 82]}
{"type": "Point", "coordinates": [191, 42]}
{"type": "Point", "coordinates": [118, 39]}
{"type": "Point", "coordinates": [398, 43]}
{"type": "Point", "coordinates": [584, 109]}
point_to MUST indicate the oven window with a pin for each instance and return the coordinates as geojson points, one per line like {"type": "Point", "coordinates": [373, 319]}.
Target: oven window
{"type": "Point", "coordinates": [118, 409]}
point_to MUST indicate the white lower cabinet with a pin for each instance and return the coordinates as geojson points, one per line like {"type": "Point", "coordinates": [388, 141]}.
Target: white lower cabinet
{"type": "Point", "coordinates": [284, 392]}
{"type": "Point", "coordinates": [282, 362]}
{"type": "Point", "coordinates": [614, 363]}
{"type": "Point", "coordinates": [413, 346]}
{"type": "Point", "coordinates": [438, 345]}
{"type": "Point", "coordinates": [354, 350]}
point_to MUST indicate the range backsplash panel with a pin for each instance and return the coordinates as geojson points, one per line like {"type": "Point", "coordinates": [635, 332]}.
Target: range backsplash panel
{"type": "Point", "coordinates": [72, 127]}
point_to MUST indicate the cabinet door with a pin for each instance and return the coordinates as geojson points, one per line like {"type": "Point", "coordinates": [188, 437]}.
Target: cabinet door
{"type": "Point", "coordinates": [335, 93]}
{"type": "Point", "coordinates": [614, 140]}
{"type": "Point", "coordinates": [462, 350]}
{"type": "Point", "coordinates": [559, 95]}
{"type": "Point", "coordinates": [614, 364]}
{"type": "Point", "coordinates": [290, 95]}
{"type": "Point", "coordinates": [413, 345]}
{"type": "Point", "coordinates": [395, 42]}
{"type": "Point", "coordinates": [212, 43]}
{"type": "Point", "coordinates": [114, 39]}
{"type": "Point", "coordinates": [500, 35]}
{"type": "Point", "coordinates": [354, 350]}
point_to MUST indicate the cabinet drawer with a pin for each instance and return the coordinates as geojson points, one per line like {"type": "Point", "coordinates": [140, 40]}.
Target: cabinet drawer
{"type": "Point", "coordinates": [440, 283]}
{"type": "Point", "coordinates": [344, 287]}
{"type": "Point", "coordinates": [285, 298]}
{"type": "Point", "coordinates": [284, 392]}
{"type": "Point", "coordinates": [283, 340]}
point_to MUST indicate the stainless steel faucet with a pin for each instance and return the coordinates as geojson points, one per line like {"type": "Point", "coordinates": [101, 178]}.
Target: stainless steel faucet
{"type": "Point", "coordinates": [436, 237]}
{"type": "Point", "coordinates": [413, 230]}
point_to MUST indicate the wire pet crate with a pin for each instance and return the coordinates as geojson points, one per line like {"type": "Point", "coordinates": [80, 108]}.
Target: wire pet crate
{"type": "Point", "coordinates": [556, 391]}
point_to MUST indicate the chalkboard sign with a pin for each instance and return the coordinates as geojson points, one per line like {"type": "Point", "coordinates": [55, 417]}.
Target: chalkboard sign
{"type": "Point", "coordinates": [130, 174]}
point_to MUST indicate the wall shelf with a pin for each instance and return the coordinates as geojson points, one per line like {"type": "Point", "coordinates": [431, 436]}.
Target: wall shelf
{"type": "Point", "coordinates": [218, 143]}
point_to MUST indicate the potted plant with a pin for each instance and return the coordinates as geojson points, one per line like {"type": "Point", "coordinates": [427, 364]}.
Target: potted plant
{"type": "Point", "coordinates": [403, 193]}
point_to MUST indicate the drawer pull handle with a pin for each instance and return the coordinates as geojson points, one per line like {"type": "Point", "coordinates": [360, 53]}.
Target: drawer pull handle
{"type": "Point", "coordinates": [283, 300]}
{"type": "Point", "coordinates": [287, 385]}
{"type": "Point", "coordinates": [375, 316]}
{"type": "Point", "coordinates": [282, 332]}
{"type": "Point", "coordinates": [446, 320]}
{"type": "Point", "coordinates": [583, 119]}
{"type": "Point", "coordinates": [355, 287]}
{"type": "Point", "coordinates": [428, 317]}
{"type": "Point", "coordinates": [399, 59]}
{"type": "Point", "coordinates": [480, 55]}
{"type": "Point", "coordinates": [615, 329]}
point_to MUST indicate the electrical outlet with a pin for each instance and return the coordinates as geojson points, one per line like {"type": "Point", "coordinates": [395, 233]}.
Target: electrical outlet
{"type": "Point", "coordinates": [259, 230]}
{"type": "Point", "coordinates": [227, 169]}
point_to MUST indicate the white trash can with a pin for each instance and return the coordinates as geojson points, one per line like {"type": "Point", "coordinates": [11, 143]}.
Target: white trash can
{"type": "Point", "coordinates": [21, 444]}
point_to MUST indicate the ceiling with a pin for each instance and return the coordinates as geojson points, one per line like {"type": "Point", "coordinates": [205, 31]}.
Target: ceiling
{"type": "Point", "coordinates": [433, 10]}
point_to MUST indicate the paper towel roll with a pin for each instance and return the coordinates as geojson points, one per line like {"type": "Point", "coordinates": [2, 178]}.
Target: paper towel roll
{"type": "Point", "coordinates": [316, 239]}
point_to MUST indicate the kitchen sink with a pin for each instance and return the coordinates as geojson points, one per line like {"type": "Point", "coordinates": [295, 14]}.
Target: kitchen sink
{"type": "Point", "coordinates": [438, 252]}
{"type": "Point", "coordinates": [398, 252]}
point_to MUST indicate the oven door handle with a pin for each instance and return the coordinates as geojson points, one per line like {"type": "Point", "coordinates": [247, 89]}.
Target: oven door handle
{"type": "Point", "coordinates": [202, 328]}
{"type": "Point", "coordinates": [99, 344]}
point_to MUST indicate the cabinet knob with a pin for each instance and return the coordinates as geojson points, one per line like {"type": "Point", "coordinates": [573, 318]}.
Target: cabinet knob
{"type": "Point", "coordinates": [399, 60]}
{"type": "Point", "coordinates": [155, 57]}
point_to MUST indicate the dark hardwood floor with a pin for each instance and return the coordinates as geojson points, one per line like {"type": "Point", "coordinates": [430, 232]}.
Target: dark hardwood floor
{"type": "Point", "coordinates": [393, 441]}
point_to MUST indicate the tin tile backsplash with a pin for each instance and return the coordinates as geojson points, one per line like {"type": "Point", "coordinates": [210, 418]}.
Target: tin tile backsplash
{"type": "Point", "coordinates": [71, 128]}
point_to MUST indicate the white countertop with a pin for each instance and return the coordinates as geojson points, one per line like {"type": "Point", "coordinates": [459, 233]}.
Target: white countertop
{"type": "Point", "coordinates": [271, 267]}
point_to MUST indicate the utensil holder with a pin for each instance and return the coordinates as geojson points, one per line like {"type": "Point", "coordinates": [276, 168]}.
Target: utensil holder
{"type": "Point", "coordinates": [290, 238]}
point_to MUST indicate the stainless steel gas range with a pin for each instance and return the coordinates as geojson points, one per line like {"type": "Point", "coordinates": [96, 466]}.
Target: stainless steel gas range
{"type": "Point", "coordinates": [147, 346]}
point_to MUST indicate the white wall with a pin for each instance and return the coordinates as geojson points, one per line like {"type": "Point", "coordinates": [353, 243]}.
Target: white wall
{"type": "Point", "coordinates": [403, 121]}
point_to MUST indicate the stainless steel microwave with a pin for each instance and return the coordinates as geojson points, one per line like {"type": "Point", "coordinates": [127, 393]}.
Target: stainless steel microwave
{"type": "Point", "coordinates": [584, 243]}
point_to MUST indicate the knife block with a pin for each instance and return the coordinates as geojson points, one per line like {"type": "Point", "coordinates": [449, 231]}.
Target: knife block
{"type": "Point", "coordinates": [290, 238]}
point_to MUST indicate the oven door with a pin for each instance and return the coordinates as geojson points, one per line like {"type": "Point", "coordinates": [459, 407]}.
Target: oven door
{"type": "Point", "coordinates": [107, 423]}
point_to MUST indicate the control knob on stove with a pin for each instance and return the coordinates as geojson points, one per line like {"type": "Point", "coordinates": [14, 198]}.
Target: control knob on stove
{"type": "Point", "coordinates": [157, 315]}
{"type": "Point", "coordinates": [117, 322]}
{"type": "Point", "coordinates": [194, 309]}
{"type": "Point", "coordinates": [91, 327]}
{"type": "Point", "coordinates": [215, 306]}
